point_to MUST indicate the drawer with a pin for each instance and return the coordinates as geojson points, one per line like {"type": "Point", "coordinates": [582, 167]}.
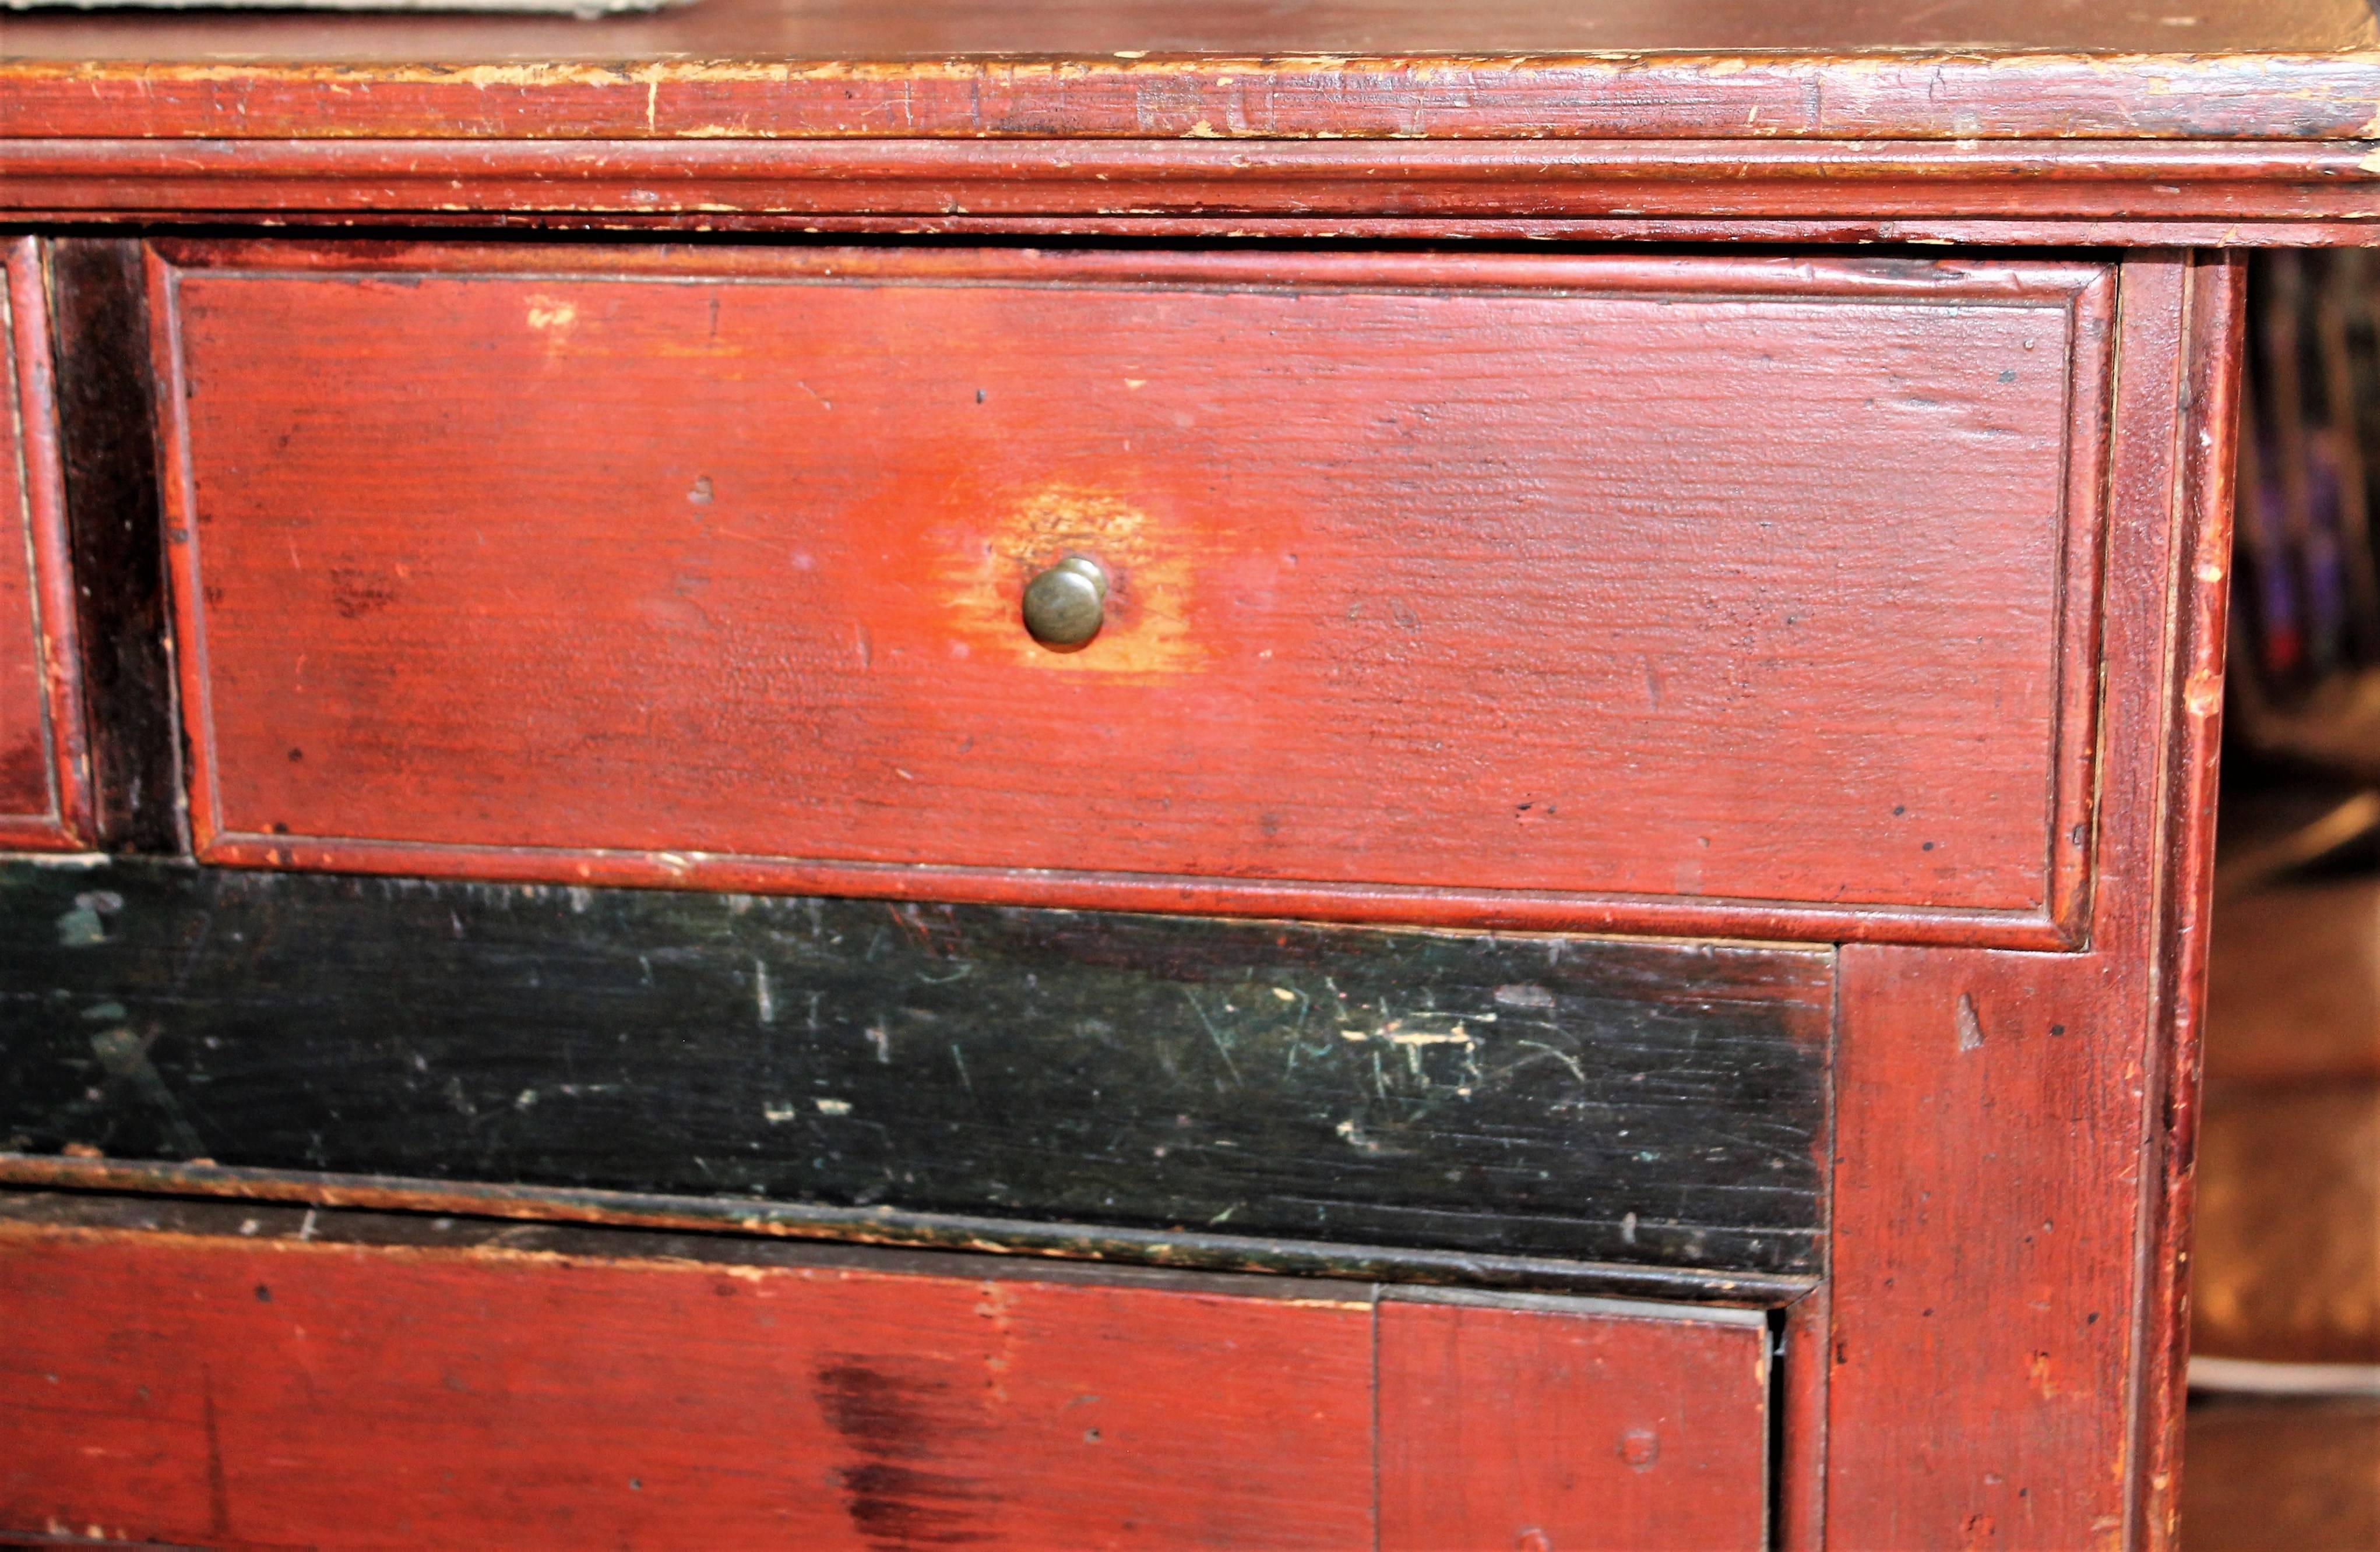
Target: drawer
{"type": "Point", "coordinates": [43, 805]}
{"type": "Point", "coordinates": [271, 1376]}
{"type": "Point", "coordinates": [1279, 1093]}
{"type": "Point", "coordinates": [1562, 592]}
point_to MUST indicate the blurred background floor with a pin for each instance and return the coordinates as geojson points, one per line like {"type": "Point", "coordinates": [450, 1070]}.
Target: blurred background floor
{"type": "Point", "coordinates": [2286, 1267]}
{"type": "Point", "coordinates": [2287, 1255]}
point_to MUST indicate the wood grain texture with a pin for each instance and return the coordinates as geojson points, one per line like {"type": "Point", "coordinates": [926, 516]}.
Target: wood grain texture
{"type": "Point", "coordinates": [1653, 1455]}
{"type": "Point", "coordinates": [2012, 1129]}
{"type": "Point", "coordinates": [2227, 193]}
{"type": "Point", "coordinates": [107, 435]}
{"type": "Point", "coordinates": [2050, 69]}
{"type": "Point", "coordinates": [212, 1388]}
{"type": "Point", "coordinates": [1623, 1102]}
{"type": "Point", "coordinates": [44, 787]}
{"type": "Point", "coordinates": [260, 1375]}
{"type": "Point", "coordinates": [1592, 581]}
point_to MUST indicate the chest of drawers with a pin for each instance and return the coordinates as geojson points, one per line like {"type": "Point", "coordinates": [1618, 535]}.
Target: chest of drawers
{"type": "Point", "coordinates": [1380, 781]}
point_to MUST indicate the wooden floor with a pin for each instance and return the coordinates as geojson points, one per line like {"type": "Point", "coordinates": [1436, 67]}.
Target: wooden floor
{"type": "Point", "coordinates": [2282, 1476]}
{"type": "Point", "coordinates": [2288, 1267]}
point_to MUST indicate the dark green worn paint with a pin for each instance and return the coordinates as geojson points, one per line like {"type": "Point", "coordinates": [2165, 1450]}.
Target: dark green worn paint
{"type": "Point", "coordinates": [1655, 1103]}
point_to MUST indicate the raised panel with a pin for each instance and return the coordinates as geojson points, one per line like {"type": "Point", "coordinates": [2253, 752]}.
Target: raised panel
{"type": "Point", "coordinates": [1581, 592]}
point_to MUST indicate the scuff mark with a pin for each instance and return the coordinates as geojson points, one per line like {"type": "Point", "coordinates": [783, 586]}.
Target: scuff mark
{"type": "Point", "coordinates": [125, 1055]}
{"type": "Point", "coordinates": [1222, 1048]}
{"type": "Point", "coordinates": [1353, 1132]}
{"type": "Point", "coordinates": [1557, 1053]}
{"type": "Point", "coordinates": [87, 925]}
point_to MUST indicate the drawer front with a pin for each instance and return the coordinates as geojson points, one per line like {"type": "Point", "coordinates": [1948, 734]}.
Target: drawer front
{"type": "Point", "coordinates": [1556, 592]}
{"type": "Point", "coordinates": [269, 1377]}
{"type": "Point", "coordinates": [1661, 1105]}
{"type": "Point", "coordinates": [42, 785]}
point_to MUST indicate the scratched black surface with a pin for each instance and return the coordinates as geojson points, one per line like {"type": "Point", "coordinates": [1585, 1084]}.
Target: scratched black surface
{"type": "Point", "coordinates": [1657, 1103]}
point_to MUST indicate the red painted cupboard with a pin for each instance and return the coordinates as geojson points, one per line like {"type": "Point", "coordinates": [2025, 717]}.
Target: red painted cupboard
{"type": "Point", "coordinates": [1095, 777]}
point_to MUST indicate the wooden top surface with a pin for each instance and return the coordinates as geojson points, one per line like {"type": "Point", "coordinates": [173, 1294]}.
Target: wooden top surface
{"type": "Point", "coordinates": [2288, 69]}
{"type": "Point", "coordinates": [909, 30]}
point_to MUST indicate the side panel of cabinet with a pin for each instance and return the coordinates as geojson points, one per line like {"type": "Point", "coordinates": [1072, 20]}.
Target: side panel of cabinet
{"type": "Point", "coordinates": [2014, 1132]}
{"type": "Point", "coordinates": [42, 786]}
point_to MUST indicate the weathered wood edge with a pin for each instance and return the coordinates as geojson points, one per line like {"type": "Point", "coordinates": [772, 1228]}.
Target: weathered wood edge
{"type": "Point", "coordinates": [2082, 521]}
{"type": "Point", "coordinates": [2110, 234]}
{"type": "Point", "coordinates": [1799, 1366]}
{"type": "Point", "coordinates": [230, 1220]}
{"type": "Point", "coordinates": [1733, 274]}
{"type": "Point", "coordinates": [1366, 904]}
{"type": "Point", "coordinates": [1919, 94]}
{"type": "Point", "coordinates": [1720, 184]}
{"type": "Point", "coordinates": [2210, 424]}
{"type": "Point", "coordinates": [1221, 1253]}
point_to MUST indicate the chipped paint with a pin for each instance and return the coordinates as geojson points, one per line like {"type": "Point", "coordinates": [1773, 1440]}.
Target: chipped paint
{"type": "Point", "coordinates": [1971, 1026]}
{"type": "Point", "coordinates": [1903, 92]}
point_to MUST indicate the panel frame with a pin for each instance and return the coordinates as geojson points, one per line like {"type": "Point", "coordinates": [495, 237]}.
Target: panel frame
{"type": "Point", "coordinates": [29, 408]}
{"type": "Point", "coordinates": [2084, 290]}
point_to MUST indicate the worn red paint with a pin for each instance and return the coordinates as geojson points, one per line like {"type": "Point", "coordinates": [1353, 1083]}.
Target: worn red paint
{"type": "Point", "coordinates": [208, 1387]}
{"type": "Point", "coordinates": [1723, 584]}
{"type": "Point", "coordinates": [1360, 68]}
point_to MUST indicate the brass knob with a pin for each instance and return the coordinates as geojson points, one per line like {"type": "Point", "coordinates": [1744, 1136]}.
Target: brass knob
{"type": "Point", "coordinates": [1066, 604]}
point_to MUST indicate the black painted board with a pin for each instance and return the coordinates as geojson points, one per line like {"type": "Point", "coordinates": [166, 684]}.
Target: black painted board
{"type": "Point", "coordinates": [1633, 1101]}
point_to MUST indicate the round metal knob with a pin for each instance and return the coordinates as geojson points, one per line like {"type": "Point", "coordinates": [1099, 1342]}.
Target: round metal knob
{"type": "Point", "coordinates": [1064, 605]}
